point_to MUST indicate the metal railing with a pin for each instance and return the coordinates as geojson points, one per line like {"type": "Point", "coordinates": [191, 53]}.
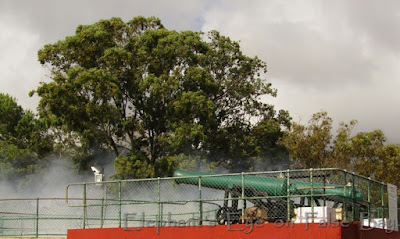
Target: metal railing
{"type": "Point", "coordinates": [36, 217]}
{"type": "Point", "coordinates": [287, 196]}
{"type": "Point", "coordinates": [280, 193]}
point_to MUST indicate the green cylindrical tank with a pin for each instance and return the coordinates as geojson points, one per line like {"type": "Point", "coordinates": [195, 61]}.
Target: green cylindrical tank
{"type": "Point", "coordinates": [304, 188]}
{"type": "Point", "coordinates": [272, 186]}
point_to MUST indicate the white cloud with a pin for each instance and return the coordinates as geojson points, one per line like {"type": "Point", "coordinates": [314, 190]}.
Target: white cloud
{"type": "Point", "coordinates": [27, 26]}
{"type": "Point", "coordinates": [341, 56]}
{"type": "Point", "coordinates": [19, 70]}
{"type": "Point", "coordinates": [299, 43]}
{"type": "Point", "coordinates": [323, 55]}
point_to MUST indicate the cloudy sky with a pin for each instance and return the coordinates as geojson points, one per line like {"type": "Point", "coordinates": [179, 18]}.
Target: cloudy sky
{"type": "Point", "coordinates": [341, 56]}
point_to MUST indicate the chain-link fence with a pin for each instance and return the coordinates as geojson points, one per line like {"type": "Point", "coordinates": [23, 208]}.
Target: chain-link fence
{"type": "Point", "coordinates": [296, 196]}
{"type": "Point", "coordinates": [37, 217]}
{"type": "Point", "coordinates": [311, 195]}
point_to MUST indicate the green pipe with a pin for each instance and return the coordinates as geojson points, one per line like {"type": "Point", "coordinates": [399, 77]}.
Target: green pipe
{"type": "Point", "coordinates": [270, 185]}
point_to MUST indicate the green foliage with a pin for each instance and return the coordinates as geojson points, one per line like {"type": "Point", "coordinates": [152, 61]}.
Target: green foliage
{"type": "Point", "coordinates": [149, 94]}
{"type": "Point", "coordinates": [24, 142]}
{"type": "Point", "coordinates": [195, 163]}
{"type": "Point", "coordinates": [267, 133]}
{"type": "Point", "coordinates": [133, 166]}
{"type": "Point", "coordinates": [388, 167]}
{"type": "Point", "coordinates": [311, 146]}
{"type": "Point", "coordinates": [308, 145]}
{"type": "Point", "coordinates": [15, 162]}
{"type": "Point", "coordinates": [342, 149]}
{"type": "Point", "coordinates": [366, 147]}
{"type": "Point", "coordinates": [10, 114]}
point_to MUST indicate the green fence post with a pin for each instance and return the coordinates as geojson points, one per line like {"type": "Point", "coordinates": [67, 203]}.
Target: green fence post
{"type": "Point", "coordinates": [353, 189]}
{"type": "Point", "coordinates": [84, 206]}
{"type": "Point", "coordinates": [158, 203]}
{"type": "Point", "coordinates": [102, 213]}
{"type": "Point", "coordinates": [119, 203]}
{"type": "Point", "coordinates": [369, 201]}
{"type": "Point", "coordinates": [288, 194]}
{"type": "Point", "coordinates": [162, 212]}
{"type": "Point", "coordinates": [1, 226]}
{"type": "Point", "coordinates": [324, 185]}
{"type": "Point", "coordinates": [312, 193]}
{"type": "Point", "coordinates": [383, 204]}
{"type": "Point", "coordinates": [37, 217]}
{"type": "Point", "coordinates": [243, 199]}
{"type": "Point", "coordinates": [345, 196]}
{"type": "Point", "coordinates": [200, 204]}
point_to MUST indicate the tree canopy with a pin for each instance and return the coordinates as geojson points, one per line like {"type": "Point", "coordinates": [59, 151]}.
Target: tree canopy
{"type": "Point", "coordinates": [24, 141]}
{"type": "Point", "coordinates": [314, 146]}
{"type": "Point", "coordinates": [149, 94]}
{"type": "Point", "coordinates": [153, 99]}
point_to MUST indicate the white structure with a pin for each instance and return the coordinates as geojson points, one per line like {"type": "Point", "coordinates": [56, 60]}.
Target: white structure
{"type": "Point", "coordinates": [381, 223]}
{"type": "Point", "coordinates": [321, 214]}
{"type": "Point", "coordinates": [98, 176]}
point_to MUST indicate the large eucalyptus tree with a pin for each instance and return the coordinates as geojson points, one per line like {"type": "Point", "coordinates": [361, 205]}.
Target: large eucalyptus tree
{"type": "Point", "coordinates": [148, 93]}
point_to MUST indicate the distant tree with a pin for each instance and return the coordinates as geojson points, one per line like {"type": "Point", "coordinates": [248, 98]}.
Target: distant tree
{"type": "Point", "coordinates": [150, 94]}
{"type": "Point", "coordinates": [24, 142]}
{"type": "Point", "coordinates": [309, 145]}
{"type": "Point", "coordinates": [341, 153]}
{"type": "Point", "coordinates": [365, 153]}
{"type": "Point", "coordinates": [366, 148]}
{"type": "Point", "coordinates": [387, 169]}
{"type": "Point", "coordinates": [269, 154]}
